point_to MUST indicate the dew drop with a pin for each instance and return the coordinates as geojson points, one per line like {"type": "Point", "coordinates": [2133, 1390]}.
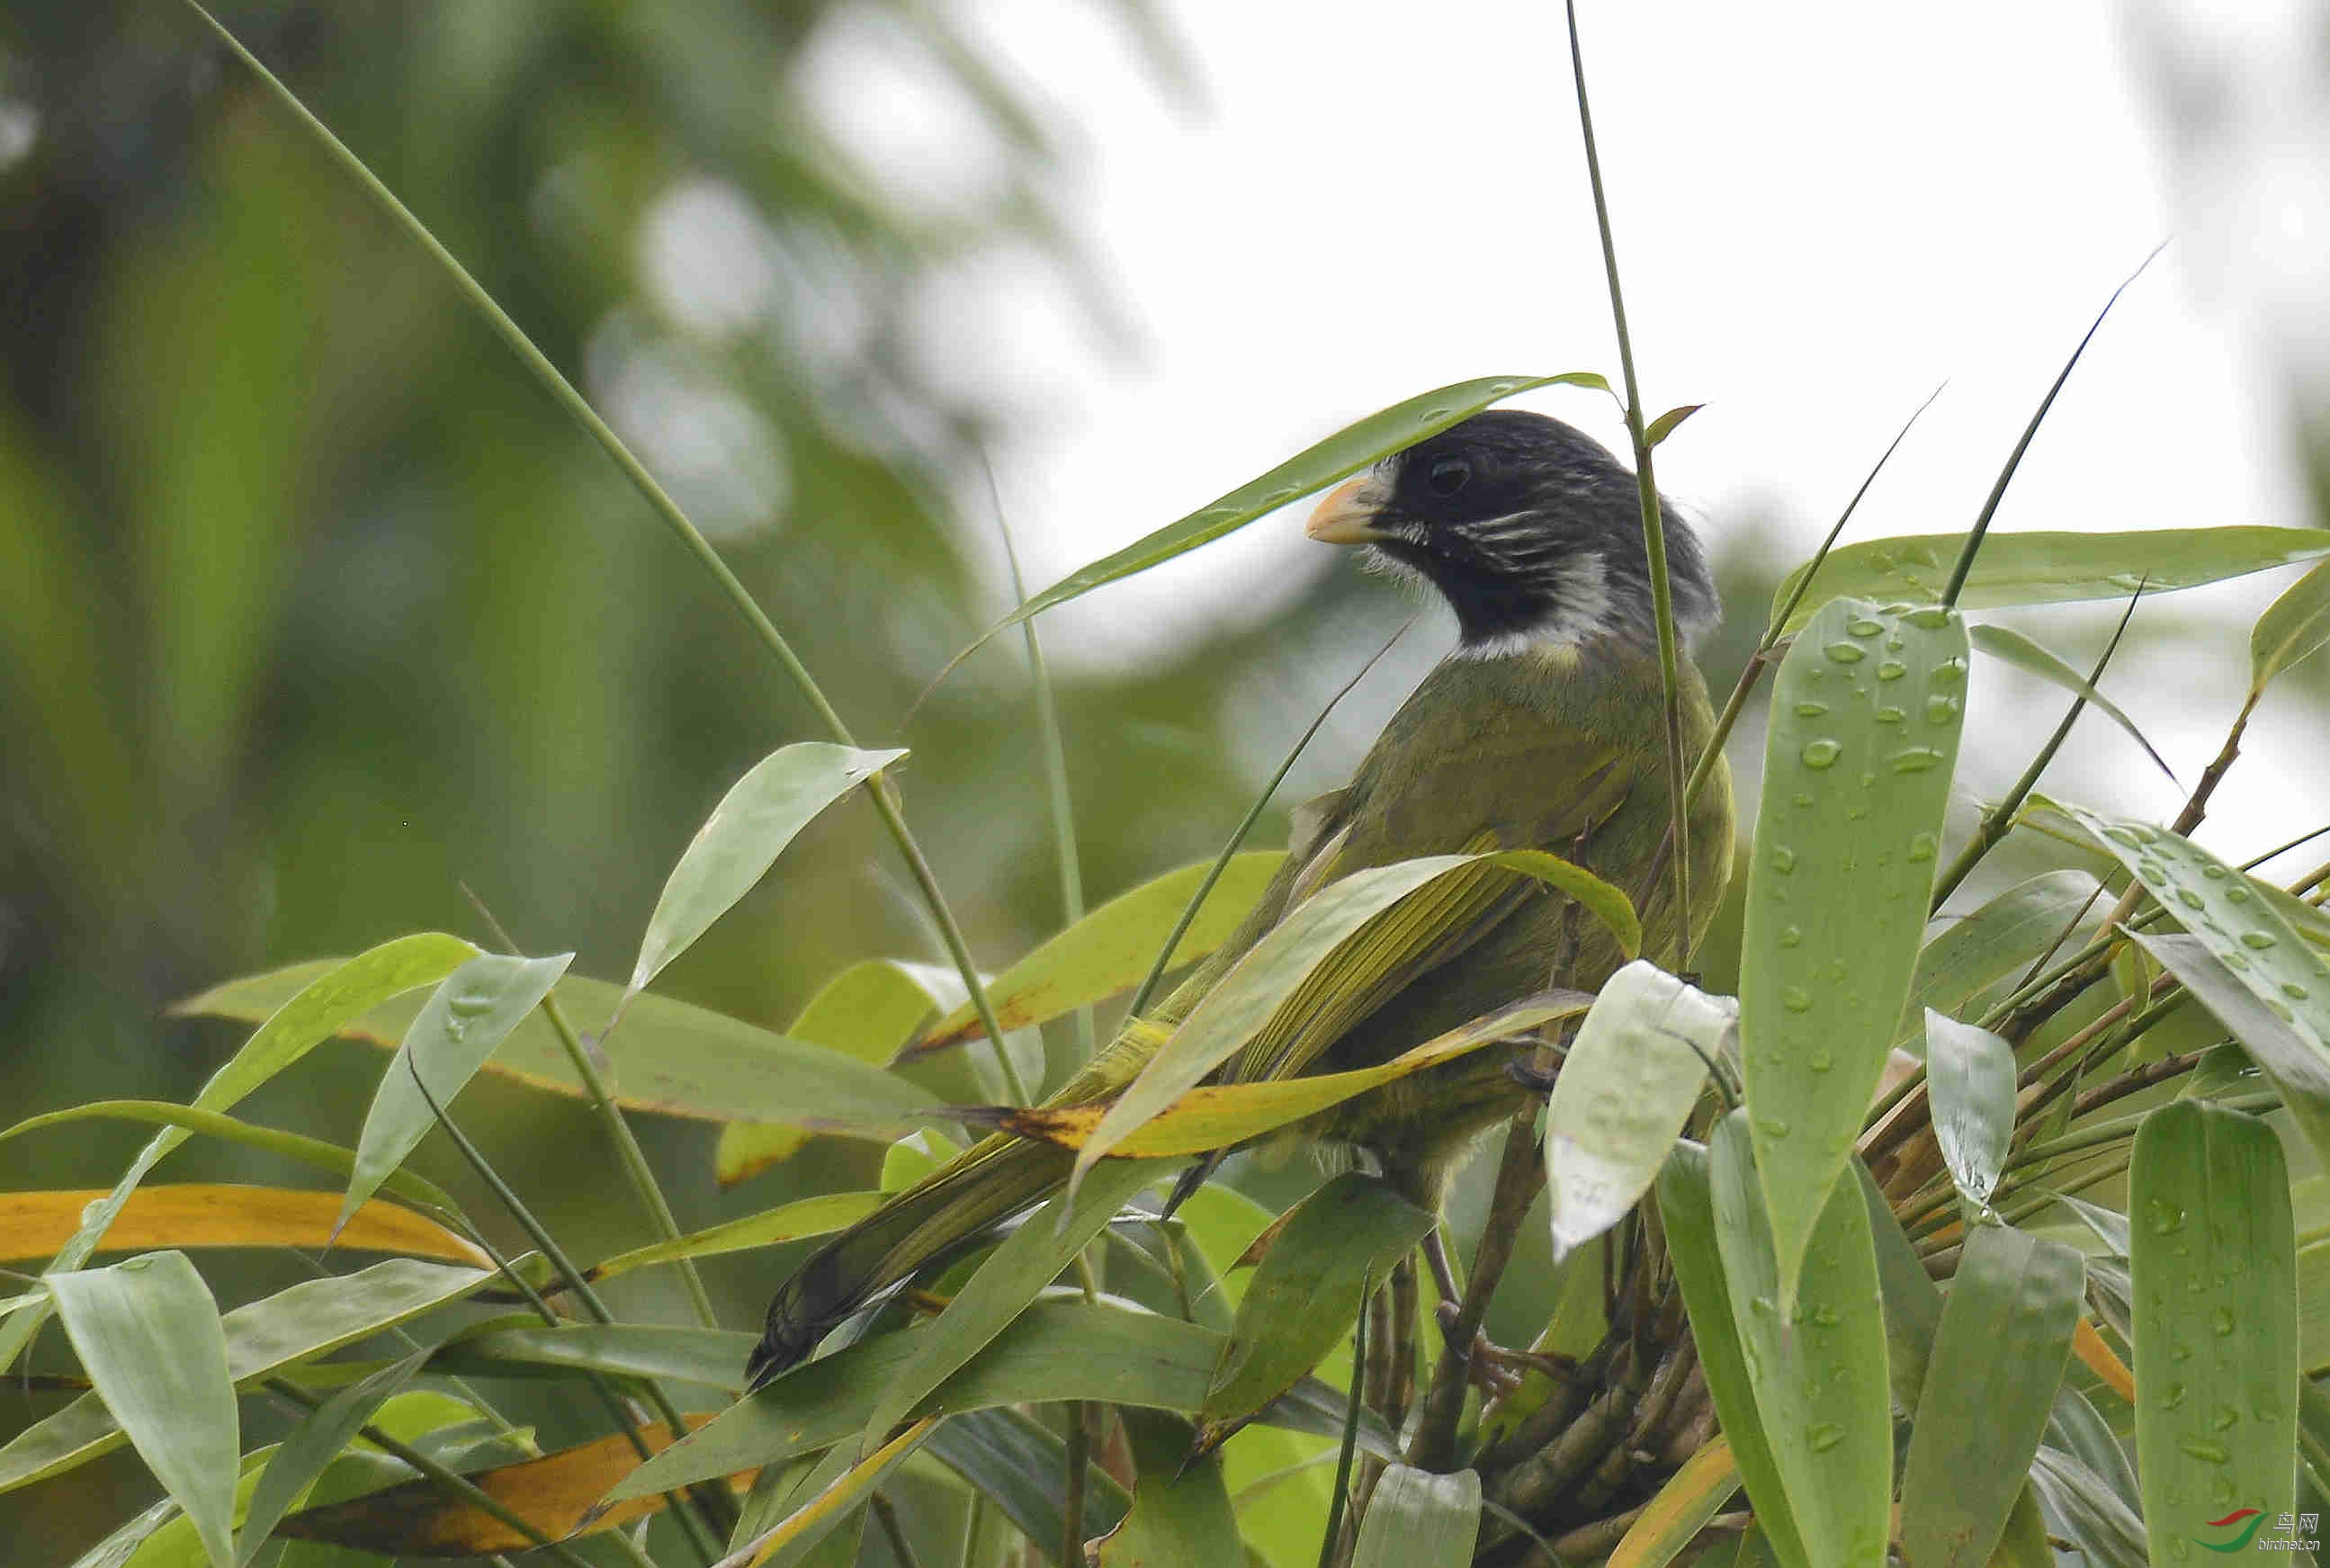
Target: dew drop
{"type": "Point", "coordinates": [1783, 859]}
{"type": "Point", "coordinates": [2293, 991]}
{"type": "Point", "coordinates": [2257, 939]}
{"type": "Point", "coordinates": [1928, 618]}
{"type": "Point", "coordinates": [1921, 848]}
{"type": "Point", "coordinates": [2233, 960]}
{"type": "Point", "coordinates": [1916, 759]}
{"type": "Point", "coordinates": [1790, 936]}
{"type": "Point", "coordinates": [2201, 1448]}
{"type": "Point", "coordinates": [1820, 1062]}
{"type": "Point", "coordinates": [1796, 999]}
{"type": "Point", "coordinates": [2171, 1396]}
{"type": "Point", "coordinates": [1802, 800]}
{"type": "Point", "coordinates": [1810, 710]}
{"type": "Point", "coordinates": [1771, 1126]}
{"type": "Point", "coordinates": [1828, 1317]}
{"type": "Point", "coordinates": [2214, 872]}
{"type": "Point", "coordinates": [1950, 672]}
{"type": "Point", "coordinates": [2281, 1010]}
{"type": "Point", "coordinates": [2224, 1418]}
{"type": "Point", "coordinates": [1862, 626]}
{"type": "Point", "coordinates": [1894, 644]}
{"type": "Point", "coordinates": [1820, 753]}
{"type": "Point", "coordinates": [2220, 1321]}
{"type": "Point", "coordinates": [1889, 715]}
{"type": "Point", "coordinates": [1843, 652]}
{"type": "Point", "coordinates": [2121, 835]}
{"type": "Point", "coordinates": [135, 1265]}
{"type": "Point", "coordinates": [1941, 708]}
{"type": "Point", "coordinates": [1824, 1436]}
{"type": "Point", "coordinates": [2150, 870]}
{"type": "Point", "coordinates": [2163, 1218]}
{"type": "Point", "coordinates": [468, 1005]}
{"type": "Point", "coordinates": [1891, 670]}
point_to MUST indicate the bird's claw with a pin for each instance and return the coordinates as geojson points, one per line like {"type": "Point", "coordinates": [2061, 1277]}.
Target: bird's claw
{"type": "Point", "coordinates": [1492, 1369]}
{"type": "Point", "coordinates": [1538, 1080]}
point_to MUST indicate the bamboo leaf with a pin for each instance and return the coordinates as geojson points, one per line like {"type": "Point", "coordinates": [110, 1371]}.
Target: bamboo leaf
{"type": "Point", "coordinates": [1026, 1261]}
{"type": "Point", "coordinates": [1686, 1207]}
{"type": "Point", "coordinates": [867, 1013]}
{"type": "Point", "coordinates": [523, 1346]}
{"type": "Point", "coordinates": [1057, 1350]}
{"type": "Point", "coordinates": [293, 1024]}
{"type": "Point", "coordinates": [2241, 930]}
{"type": "Point", "coordinates": [555, 1493]}
{"type": "Point", "coordinates": [1110, 949]}
{"type": "Point", "coordinates": [1339, 1242]}
{"type": "Point", "coordinates": [786, 1223]}
{"type": "Point", "coordinates": [1913, 1303]}
{"type": "Point", "coordinates": [147, 1333]}
{"type": "Point", "coordinates": [2024, 1543]}
{"type": "Point", "coordinates": [293, 1326]}
{"type": "Point", "coordinates": [2291, 629]}
{"type": "Point", "coordinates": [210, 1214]}
{"type": "Point", "coordinates": [678, 1060]}
{"type": "Point", "coordinates": [1866, 714]}
{"type": "Point", "coordinates": [2011, 647]}
{"type": "Point", "coordinates": [2215, 1277]}
{"type": "Point", "coordinates": [1659, 429]}
{"type": "Point", "coordinates": [1627, 1087]}
{"type": "Point", "coordinates": [1221, 1115]}
{"type": "Point", "coordinates": [1180, 1516]}
{"type": "Point", "coordinates": [2043, 568]}
{"type": "Point", "coordinates": [762, 811]}
{"type": "Point", "coordinates": [2004, 1340]}
{"type": "Point", "coordinates": [1416, 1519]}
{"type": "Point", "coordinates": [2298, 1069]}
{"type": "Point", "coordinates": [1020, 1466]}
{"type": "Point", "coordinates": [2081, 1507]}
{"type": "Point", "coordinates": [315, 1151]}
{"type": "Point", "coordinates": [1242, 1003]}
{"type": "Point", "coordinates": [312, 1445]}
{"type": "Point", "coordinates": [1817, 1369]}
{"type": "Point", "coordinates": [1974, 952]}
{"type": "Point", "coordinates": [1340, 456]}
{"type": "Point", "coordinates": [1672, 1518]}
{"type": "Point", "coordinates": [460, 1025]}
{"type": "Point", "coordinates": [1970, 1078]}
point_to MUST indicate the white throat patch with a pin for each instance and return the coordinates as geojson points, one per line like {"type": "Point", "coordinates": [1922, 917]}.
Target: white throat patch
{"type": "Point", "coordinates": [1582, 612]}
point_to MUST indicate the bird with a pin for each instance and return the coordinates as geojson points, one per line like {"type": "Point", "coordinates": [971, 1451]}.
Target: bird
{"type": "Point", "coordinates": [1543, 728]}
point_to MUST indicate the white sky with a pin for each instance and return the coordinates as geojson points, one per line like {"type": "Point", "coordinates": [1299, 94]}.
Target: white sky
{"type": "Point", "coordinates": [1823, 211]}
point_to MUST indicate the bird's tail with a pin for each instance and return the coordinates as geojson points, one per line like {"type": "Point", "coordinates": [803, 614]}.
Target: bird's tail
{"type": "Point", "coordinates": [952, 1207]}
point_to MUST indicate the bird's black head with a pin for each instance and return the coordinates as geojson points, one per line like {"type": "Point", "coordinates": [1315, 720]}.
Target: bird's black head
{"type": "Point", "coordinates": [1529, 529]}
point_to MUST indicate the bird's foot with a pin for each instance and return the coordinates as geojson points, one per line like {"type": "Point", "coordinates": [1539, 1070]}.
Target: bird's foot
{"type": "Point", "coordinates": [1496, 1370]}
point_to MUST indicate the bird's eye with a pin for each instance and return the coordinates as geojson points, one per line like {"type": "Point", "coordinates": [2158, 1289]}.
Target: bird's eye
{"type": "Point", "coordinates": [1448, 476]}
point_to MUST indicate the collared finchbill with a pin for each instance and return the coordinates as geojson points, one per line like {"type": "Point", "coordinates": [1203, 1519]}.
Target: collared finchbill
{"type": "Point", "coordinates": [1348, 513]}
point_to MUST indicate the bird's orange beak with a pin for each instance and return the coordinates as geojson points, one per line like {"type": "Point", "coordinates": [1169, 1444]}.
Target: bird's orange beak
{"type": "Point", "coordinates": [1347, 514]}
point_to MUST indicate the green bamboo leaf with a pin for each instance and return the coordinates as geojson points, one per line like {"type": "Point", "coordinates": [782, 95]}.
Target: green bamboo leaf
{"type": "Point", "coordinates": [1970, 1078]}
{"type": "Point", "coordinates": [293, 1326]}
{"type": "Point", "coordinates": [1974, 952]}
{"type": "Point", "coordinates": [834, 1490]}
{"type": "Point", "coordinates": [161, 1536]}
{"type": "Point", "coordinates": [1913, 1303]}
{"type": "Point", "coordinates": [2299, 1070]}
{"type": "Point", "coordinates": [1026, 1261]}
{"type": "Point", "coordinates": [460, 1025]}
{"type": "Point", "coordinates": [2241, 930]}
{"type": "Point", "coordinates": [1181, 1515]}
{"type": "Point", "coordinates": [2079, 1430]}
{"type": "Point", "coordinates": [1687, 1209]}
{"type": "Point", "coordinates": [294, 1022]}
{"type": "Point", "coordinates": [1241, 1002]}
{"type": "Point", "coordinates": [523, 1346]}
{"type": "Point", "coordinates": [2051, 568]}
{"type": "Point", "coordinates": [1659, 429]}
{"type": "Point", "coordinates": [1416, 1519]}
{"type": "Point", "coordinates": [2006, 1337]}
{"type": "Point", "coordinates": [682, 1060]}
{"type": "Point", "coordinates": [780, 795]}
{"type": "Point", "coordinates": [1864, 733]}
{"type": "Point", "coordinates": [867, 1012]}
{"type": "Point", "coordinates": [2024, 1543]}
{"type": "Point", "coordinates": [2011, 647]}
{"type": "Point", "coordinates": [1818, 1370]}
{"type": "Point", "coordinates": [1627, 1087]}
{"type": "Point", "coordinates": [312, 1445]}
{"type": "Point", "coordinates": [2215, 1277]}
{"type": "Point", "coordinates": [1021, 1466]}
{"type": "Point", "coordinates": [332, 1157]}
{"type": "Point", "coordinates": [2083, 1509]}
{"type": "Point", "coordinates": [1056, 1350]}
{"type": "Point", "coordinates": [1336, 1245]}
{"type": "Point", "coordinates": [1340, 456]}
{"type": "Point", "coordinates": [147, 1333]}
{"type": "Point", "coordinates": [1111, 949]}
{"type": "Point", "coordinates": [2291, 629]}
{"type": "Point", "coordinates": [786, 1223]}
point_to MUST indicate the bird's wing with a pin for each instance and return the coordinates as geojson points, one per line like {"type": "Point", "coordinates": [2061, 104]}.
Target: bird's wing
{"type": "Point", "coordinates": [1436, 922]}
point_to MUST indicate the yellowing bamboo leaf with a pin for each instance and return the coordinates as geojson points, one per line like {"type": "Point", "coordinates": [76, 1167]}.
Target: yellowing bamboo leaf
{"type": "Point", "coordinates": [214, 1214]}
{"type": "Point", "coordinates": [1680, 1510]}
